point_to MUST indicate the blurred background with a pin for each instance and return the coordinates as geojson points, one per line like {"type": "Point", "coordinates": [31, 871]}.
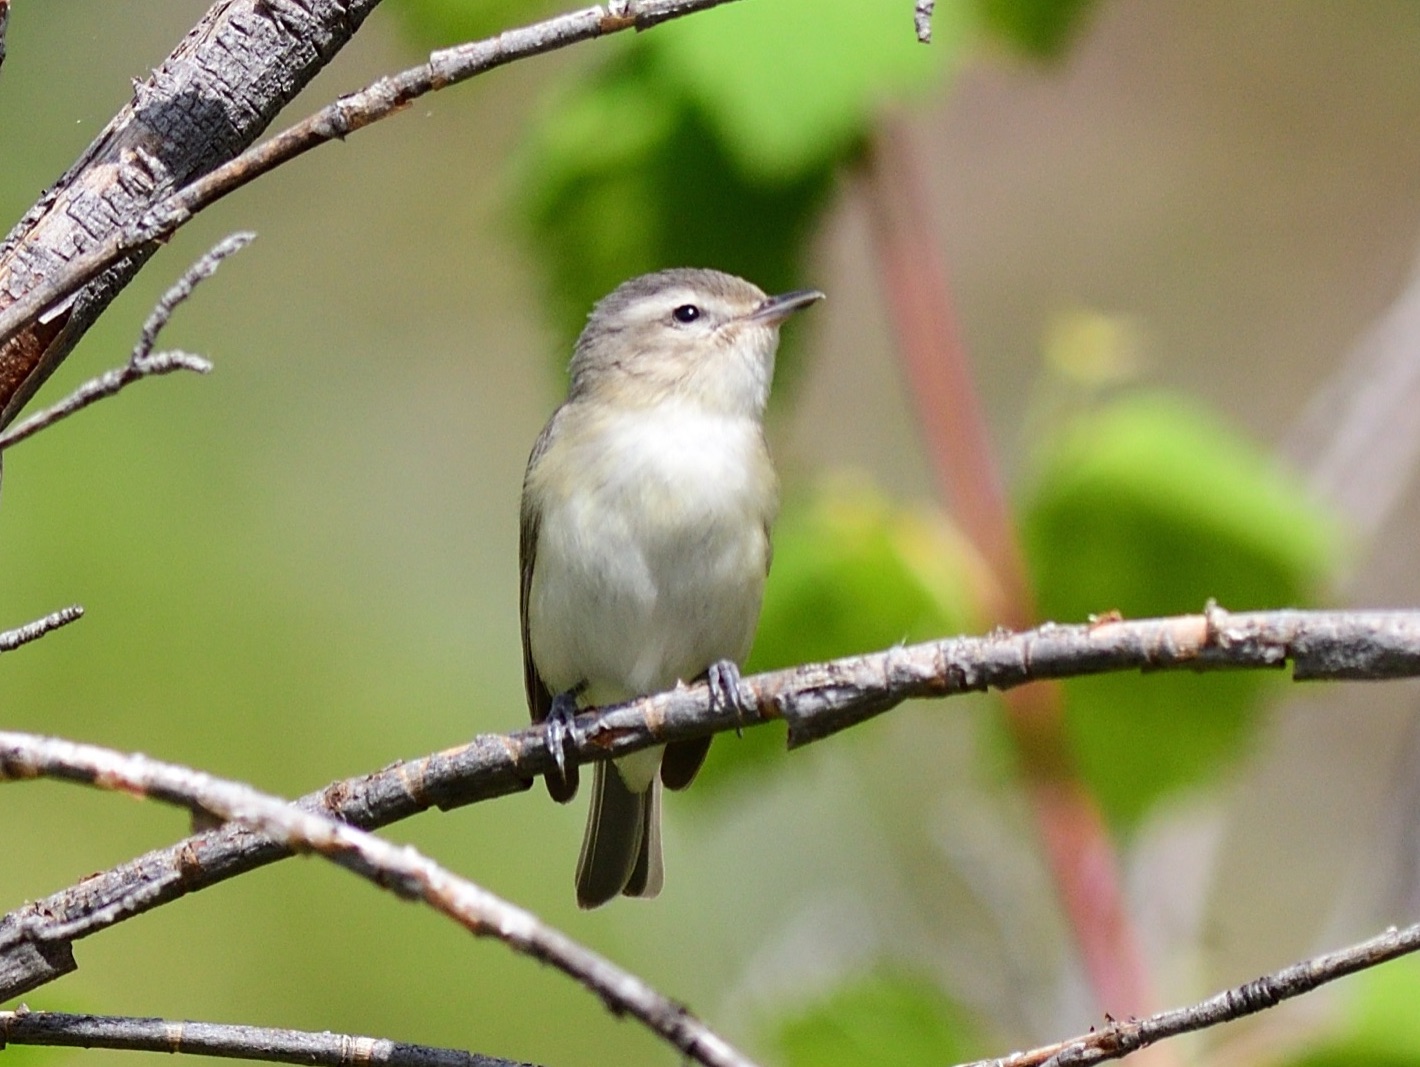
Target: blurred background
{"type": "Point", "coordinates": [1176, 242]}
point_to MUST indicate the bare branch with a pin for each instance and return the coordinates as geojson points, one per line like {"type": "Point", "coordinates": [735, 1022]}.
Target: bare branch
{"type": "Point", "coordinates": [1118, 1039]}
{"type": "Point", "coordinates": [182, 289]}
{"type": "Point", "coordinates": [398, 868]}
{"type": "Point", "coordinates": [141, 363]}
{"type": "Point", "coordinates": [211, 98]}
{"type": "Point", "coordinates": [53, 1028]}
{"type": "Point", "coordinates": [33, 631]}
{"type": "Point", "coordinates": [922, 19]}
{"type": "Point", "coordinates": [336, 121]}
{"type": "Point", "coordinates": [4, 26]}
{"type": "Point", "coordinates": [816, 700]}
{"type": "Point", "coordinates": [105, 385]}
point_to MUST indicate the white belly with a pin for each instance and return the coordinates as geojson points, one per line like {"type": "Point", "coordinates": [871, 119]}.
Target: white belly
{"type": "Point", "coordinates": [651, 554]}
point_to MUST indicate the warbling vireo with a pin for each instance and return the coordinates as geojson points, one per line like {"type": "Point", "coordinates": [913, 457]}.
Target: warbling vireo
{"type": "Point", "coordinates": [646, 512]}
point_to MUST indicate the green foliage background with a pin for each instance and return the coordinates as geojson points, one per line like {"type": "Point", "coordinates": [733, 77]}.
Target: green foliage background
{"type": "Point", "coordinates": [303, 567]}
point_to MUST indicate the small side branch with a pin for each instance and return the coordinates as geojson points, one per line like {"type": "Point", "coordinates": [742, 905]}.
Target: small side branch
{"type": "Point", "coordinates": [1118, 1039]}
{"type": "Point", "coordinates": [33, 631]}
{"type": "Point", "coordinates": [400, 869]}
{"type": "Point", "coordinates": [143, 362]}
{"type": "Point", "coordinates": [183, 288]}
{"type": "Point", "coordinates": [53, 1028]}
{"type": "Point", "coordinates": [105, 385]}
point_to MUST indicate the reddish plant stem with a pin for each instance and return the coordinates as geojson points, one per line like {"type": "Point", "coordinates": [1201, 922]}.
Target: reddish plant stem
{"type": "Point", "coordinates": [1077, 842]}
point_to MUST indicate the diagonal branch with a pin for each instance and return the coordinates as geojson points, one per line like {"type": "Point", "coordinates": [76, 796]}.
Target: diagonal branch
{"type": "Point", "coordinates": [1118, 1039]}
{"type": "Point", "coordinates": [182, 289]}
{"type": "Point", "coordinates": [211, 98]}
{"type": "Point", "coordinates": [815, 700]}
{"type": "Point", "coordinates": [262, 1043]}
{"type": "Point", "coordinates": [137, 234]}
{"type": "Point", "coordinates": [107, 384]}
{"type": "Point", "coordinates": [33, 631]}
{"type": "Point", "coordinates": [399, 868]}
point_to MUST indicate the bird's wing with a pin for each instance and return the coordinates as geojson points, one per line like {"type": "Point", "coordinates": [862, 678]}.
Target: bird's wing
{"type": "Point", "coordinates": [539, 695]}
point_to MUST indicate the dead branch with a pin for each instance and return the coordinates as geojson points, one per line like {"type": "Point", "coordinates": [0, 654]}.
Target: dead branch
{"type": "Point", "coordinates": [1117, 1039]}
{"type": "Point", "coordinates": [132, 189]}
{"type": "Point", "coordinates": [262, 1043]}
{"type": "Point", "coordinates": [212, 97]}
{"type": "Point", "coordinates": [36, 940]}
{"type": "Point", "coordinates": [33, 631]}
{"type": "Point", "coordinates": [399, 868]}
{"type": "Point", "coordinates": [922, 19]}
{"type": "Point", "coordinates": [142, 363]}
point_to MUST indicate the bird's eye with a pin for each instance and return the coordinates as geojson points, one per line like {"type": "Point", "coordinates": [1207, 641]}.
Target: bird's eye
{"type": "Point", "coordinates": [686, 314]}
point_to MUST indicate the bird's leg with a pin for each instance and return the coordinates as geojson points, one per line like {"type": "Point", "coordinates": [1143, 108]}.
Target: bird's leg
{"type": "Point", "coordinates": [723, 679]}
{"type": "Point", "coordinates": [561, 723]}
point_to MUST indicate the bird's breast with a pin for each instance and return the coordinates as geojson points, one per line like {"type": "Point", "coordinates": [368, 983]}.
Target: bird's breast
{"type": "Point", "coordinates": [652, 549]}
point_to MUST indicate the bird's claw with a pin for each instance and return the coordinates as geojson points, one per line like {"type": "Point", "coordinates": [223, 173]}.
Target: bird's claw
{"type": "Point", "coordinates": [723, 679]}
{"type": "Point", "coordinates": [560, 724]}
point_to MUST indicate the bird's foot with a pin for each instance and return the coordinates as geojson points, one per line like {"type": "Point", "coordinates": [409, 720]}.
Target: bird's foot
{"type": "Point", "coordinates": [723, 678]}
{"type": "Point", "coordinates": [560, 724]}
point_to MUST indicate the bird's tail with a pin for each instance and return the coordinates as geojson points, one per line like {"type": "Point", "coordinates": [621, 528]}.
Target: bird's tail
{"type": "Point", "coordinates": [621, 851]}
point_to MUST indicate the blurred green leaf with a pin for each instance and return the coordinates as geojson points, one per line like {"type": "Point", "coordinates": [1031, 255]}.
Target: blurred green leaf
{"type": "Point", "coordinates": [624, 176]}
{"type": "Point", "coordinates": [793, 86]}
{"type": "Point", "coordinates": [852, 573]}
{"type": "Point", "coordinates": [713, 141]}
{"type": "Point", "coordinates": [438, 23]}
{"type": "Point", "coordinates": [1150, 507]}
{"type": "Point", "coordinates": [1040, 28]}
{"type": "Point", "coordinates": [880, 1018]}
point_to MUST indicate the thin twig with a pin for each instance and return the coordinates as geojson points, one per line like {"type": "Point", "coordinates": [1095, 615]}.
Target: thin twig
{"type": "Point", "coordinates": [180, 290]}
{"type": "Point", "coordinates": [33, 631]}
{"type": "Point", "coordinates": [36, 940]}
{"type": "Point", "coordinates": [105, 385]}
{"type": "Point", "coordinates": [324, 1049]}
{"type": "Point", "coordinates": [142, 363]}
{"type": "Point", "coordinates": [922, 19]}
{"type": "Point", "coordinates": [1118, 1039]}
{"type": "Point", "coordinates": [336, 122]}
{"type": "Point", "coordinates": [399, 868]}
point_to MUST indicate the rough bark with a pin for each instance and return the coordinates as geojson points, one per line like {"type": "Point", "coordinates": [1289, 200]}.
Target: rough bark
{"type": "Point", "coordinates": [211, 98]}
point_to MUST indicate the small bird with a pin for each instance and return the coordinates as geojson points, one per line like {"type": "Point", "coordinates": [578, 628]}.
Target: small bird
{"type": "Point", "coordinates": [646, 512]}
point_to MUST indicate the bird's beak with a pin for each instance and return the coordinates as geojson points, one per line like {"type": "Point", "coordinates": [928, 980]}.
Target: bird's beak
{"type": "Point", "coordinates": [776, 309]}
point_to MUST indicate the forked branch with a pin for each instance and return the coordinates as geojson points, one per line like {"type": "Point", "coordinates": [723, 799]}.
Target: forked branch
{"type": "Point", "coordinates": [143, 362]}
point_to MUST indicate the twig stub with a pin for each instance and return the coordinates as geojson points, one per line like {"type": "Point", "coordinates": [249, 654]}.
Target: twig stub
{"type": "Point", "coordinates": [922, 19]}
{"type": "Point", "coordinates": [33, 631]}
